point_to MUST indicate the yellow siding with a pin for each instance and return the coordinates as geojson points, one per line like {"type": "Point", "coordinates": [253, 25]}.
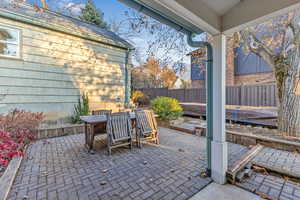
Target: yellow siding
{"type": "Point", "coordinates": [56, 68]}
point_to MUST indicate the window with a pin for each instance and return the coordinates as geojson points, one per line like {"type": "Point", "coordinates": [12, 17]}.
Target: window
{"type": "Point", "coordinates": [9, 42]}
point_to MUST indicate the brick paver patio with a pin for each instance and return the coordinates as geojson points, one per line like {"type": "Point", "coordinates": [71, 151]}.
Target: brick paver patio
{"type": "Point", "coordinates": [60, 168]}
{"type": "Point", "coordinates": [280, 161]}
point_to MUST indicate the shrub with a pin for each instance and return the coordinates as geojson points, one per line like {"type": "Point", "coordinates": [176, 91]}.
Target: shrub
{"type": "Point", "coordinates": [167, 108]}
{"type": "Point", "coordinates": [20, 121]}
{"type": "Point", "coordinates": [139, 98]}
{"type": "Point", "coordinates": [9, 148]}
{"type": "Point", "coordinates": [17, 129]}
{"type": "Point", "coordinates": [82, 108]}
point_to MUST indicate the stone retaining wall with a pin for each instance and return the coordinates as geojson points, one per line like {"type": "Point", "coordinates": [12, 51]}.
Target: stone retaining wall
{"type": "Point", "coordinates": [44, 133]}
{"type": "Point", "coordinates": [248, 139]}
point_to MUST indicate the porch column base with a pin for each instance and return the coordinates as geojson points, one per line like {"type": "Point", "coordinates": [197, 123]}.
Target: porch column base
{"type": "Point", "coordinates": [219, 161]}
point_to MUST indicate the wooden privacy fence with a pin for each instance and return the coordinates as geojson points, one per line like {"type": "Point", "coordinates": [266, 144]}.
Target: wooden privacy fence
{"type": "Point", "coordinates": [246, 95]}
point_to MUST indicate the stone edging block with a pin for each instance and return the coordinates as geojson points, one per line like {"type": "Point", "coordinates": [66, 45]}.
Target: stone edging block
{"type": "Point", "coordinates": [7, 179]}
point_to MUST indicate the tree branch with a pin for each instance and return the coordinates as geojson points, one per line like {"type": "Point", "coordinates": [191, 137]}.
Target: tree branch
{"type": "Point", "coordinates": [257, 47]}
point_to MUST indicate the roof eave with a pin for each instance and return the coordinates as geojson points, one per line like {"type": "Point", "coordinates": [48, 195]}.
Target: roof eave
{"type": "Point", "coordinates": [163, 18]}
{"type": "Point", "coordinates": [93, 37]}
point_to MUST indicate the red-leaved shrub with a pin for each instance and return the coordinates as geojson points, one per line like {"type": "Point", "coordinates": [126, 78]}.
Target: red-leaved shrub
{"type": "Point", "coordinates": [20, 120]}
{"type": "Point", "coordinates": [8, 148]}
{"type": "Point", "coordinates": [17, 128]}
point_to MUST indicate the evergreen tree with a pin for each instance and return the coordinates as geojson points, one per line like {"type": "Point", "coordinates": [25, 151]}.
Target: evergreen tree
{"type": "Point", "coordinates": [92, 15]}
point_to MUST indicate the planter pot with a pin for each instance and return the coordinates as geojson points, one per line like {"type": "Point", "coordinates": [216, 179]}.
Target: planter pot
{"type": "Point", "coordinates": [168, 123]}
{"type": "Point", "coordinates": [180, 120]}
{"type": "Point", "coordinates": [163, 123]}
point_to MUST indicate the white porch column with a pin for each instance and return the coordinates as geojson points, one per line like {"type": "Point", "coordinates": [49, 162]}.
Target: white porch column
{"type": "Point", "coordinates": [219, 146]}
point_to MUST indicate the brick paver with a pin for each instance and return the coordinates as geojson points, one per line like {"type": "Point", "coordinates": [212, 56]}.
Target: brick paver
{"type": "Point", "coordinates": [60, 168]}
{"type": "Point", "coordinates": [274, 187]}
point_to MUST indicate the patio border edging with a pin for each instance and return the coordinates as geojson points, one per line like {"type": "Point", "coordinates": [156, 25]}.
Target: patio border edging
{"type": "Point", "coordinates": [276, 169]}
{"type": "Point", "coordinates": [250, 139]}
{"type": "Point", "coordinates": [8, 177]}
{"type": "Point", "coordinates": [247, 139]}
{"type": "Point", "coordinates": [71, 129]}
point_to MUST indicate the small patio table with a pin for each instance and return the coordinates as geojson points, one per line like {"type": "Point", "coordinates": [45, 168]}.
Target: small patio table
{"type": "Point", "coordinates": [92, 121]}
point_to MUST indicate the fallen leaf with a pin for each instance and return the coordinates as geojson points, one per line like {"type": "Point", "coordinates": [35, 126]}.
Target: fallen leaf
{"type": "Point", "coordinates": [286, 178]}
{"type": "Point", "coordinates": [25, 198]}
{"type": "Point", "coordinates": [103, 182]}
{"type": "Point", "coordinates": [264, 196]}
{"type": "Point", "coordinates": [260, 170]}
{"type": "Point", "coordinates": [45, 172]}
{"type": "Point", "coordinates": [203, 174]}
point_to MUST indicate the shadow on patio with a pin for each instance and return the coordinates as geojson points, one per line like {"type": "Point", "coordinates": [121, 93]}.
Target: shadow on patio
{"type": "Point", "coordinates": [61, 168]}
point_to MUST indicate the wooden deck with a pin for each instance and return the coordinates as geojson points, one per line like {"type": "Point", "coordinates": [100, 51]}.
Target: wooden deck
{"type": "Point", "coordinates": [262, 116]}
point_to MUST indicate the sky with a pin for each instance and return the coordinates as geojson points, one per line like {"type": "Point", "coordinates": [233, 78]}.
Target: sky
{"type": "Point", "coordinates": [112, 9]}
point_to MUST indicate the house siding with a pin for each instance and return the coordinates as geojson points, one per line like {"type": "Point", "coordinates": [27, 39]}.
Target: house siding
{"type": "Point", "coordinates": [56, 68]}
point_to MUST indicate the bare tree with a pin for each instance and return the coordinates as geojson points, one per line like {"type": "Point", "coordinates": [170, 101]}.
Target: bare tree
{"type": "Point", "coordinates": [277, 42]}
{"type": "Point", "coordinates": [163, 42]}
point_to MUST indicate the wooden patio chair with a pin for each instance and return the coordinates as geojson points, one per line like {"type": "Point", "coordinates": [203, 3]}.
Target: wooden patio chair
{"type": "Point", "coordinates": [119, 131]}
{"type": "Point", "coordinates": [101, 128]}
{"type": "Point", "coordinates": [146, 127]}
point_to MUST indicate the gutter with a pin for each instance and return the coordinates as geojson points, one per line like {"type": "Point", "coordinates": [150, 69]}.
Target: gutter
{"type": "Point", "coordinates": [143, 9]}
{"type": "Point", "coordinates": [127, 80]}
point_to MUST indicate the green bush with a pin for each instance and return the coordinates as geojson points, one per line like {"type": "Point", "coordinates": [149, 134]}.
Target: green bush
{"type": "Point", "coordinates": [82, 108]}
{"type": "Point", "coordinates": [167, 108]}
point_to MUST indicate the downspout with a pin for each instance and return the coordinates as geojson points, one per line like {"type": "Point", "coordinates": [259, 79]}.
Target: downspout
{"type": "Point", "coordinates": [209, 94]}
{"type": "Point", "coordinates": [127, 79]}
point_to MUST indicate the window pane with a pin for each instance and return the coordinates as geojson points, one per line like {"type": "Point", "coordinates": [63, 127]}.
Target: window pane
{"type": "Point", "coordinates": [8, 49]}
{"type": "Point", "coordinates": [8, 35]}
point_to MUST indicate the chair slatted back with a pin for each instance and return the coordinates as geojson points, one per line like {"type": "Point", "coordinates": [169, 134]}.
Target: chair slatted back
{"type": "Point", "coordinates": [151, 117]}
{"type": "Point", "coordinates": [119, 126]}
{"type": "Point", "coordinates": [144, 121]}
{"type": "Point", "coordinates": [101, 112]}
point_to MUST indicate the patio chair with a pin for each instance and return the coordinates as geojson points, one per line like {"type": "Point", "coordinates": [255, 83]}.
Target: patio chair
{"type": "Point", "coordinates": [146, 127]}
{"type": "Point", "coordinates": [119, 131]}
{"type": "Point", "coordinates": [101, 128]}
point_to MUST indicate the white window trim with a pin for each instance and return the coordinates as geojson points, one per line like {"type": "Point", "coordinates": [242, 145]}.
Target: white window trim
{"type": "Point", "coordinates": [17, 43]}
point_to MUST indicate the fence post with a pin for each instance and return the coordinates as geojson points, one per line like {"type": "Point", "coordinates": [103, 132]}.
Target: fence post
{"type": "Point", "coordinates": [242, 96]}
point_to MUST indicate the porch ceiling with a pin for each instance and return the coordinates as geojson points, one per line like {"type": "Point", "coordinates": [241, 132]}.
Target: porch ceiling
{"type": "Point", "coordinates": [215, 16]}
